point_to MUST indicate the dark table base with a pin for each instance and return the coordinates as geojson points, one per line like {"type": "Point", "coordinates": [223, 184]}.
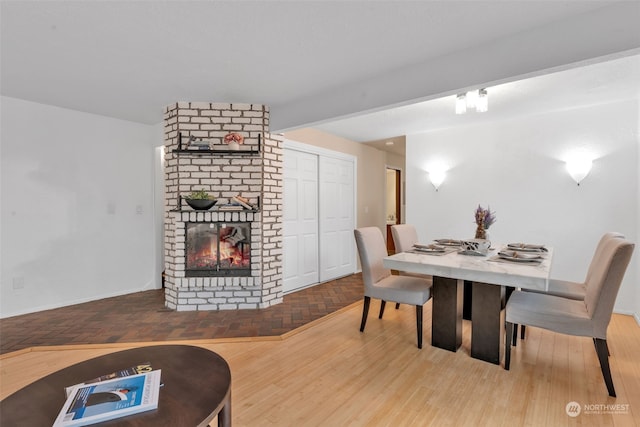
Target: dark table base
{"type": "Point", "coordinates": [446, 324]}
{"type": "Point", "coordinates": [454, 300]}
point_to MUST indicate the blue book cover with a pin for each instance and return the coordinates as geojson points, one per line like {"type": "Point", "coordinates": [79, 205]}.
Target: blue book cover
{"type": "Point", "coordinates": [118, 397]}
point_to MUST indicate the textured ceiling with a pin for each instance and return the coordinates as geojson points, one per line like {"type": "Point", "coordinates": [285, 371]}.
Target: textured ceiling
{"type": "Point", "coordinates": [306, 59]}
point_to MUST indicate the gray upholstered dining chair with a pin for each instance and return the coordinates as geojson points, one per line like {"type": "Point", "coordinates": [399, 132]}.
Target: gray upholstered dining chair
{"type": "Point", "coordinates": [404, 237]}
{"type": "Point", "coordinates": [379, 283]}
{"type": "Point", "coordinates": [589, 317]}
{"type": "Point", "coordinates": [568, 289]}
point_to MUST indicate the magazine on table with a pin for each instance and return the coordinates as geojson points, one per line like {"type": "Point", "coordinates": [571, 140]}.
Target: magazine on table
{"type": "Point", "coordinates": [138, 369]}
{"type": "Point", "coordinates": [106, 400]}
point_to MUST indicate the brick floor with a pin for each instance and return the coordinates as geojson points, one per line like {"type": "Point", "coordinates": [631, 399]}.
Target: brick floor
{"type": "Point", "coordinates": [142, 316]}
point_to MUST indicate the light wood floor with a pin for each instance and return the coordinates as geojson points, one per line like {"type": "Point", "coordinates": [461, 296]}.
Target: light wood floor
{"type": "Point", "coordinates": [330, 374]}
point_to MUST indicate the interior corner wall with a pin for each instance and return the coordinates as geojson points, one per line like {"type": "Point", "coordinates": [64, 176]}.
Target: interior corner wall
{"type": "Point", "coordinates": [76, 207]}
{"type": "Point", "coordinates": [637, 240]}
{"type": "Point", "coordinates": [517, 167]}
{"type": "Point", "coordinates": [371, 173]}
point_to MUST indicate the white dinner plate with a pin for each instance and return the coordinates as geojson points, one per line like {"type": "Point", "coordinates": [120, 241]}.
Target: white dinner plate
{"type": "Point", "coordinates": [519, 257]}
{"type": "Point", "coordinates": [523, 247]}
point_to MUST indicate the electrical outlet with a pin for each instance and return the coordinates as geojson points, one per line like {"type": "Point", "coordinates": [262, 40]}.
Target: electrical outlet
{"type": "Point", "coordinates": [18, 283]}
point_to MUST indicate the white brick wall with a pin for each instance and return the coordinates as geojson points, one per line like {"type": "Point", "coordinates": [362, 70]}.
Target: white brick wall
{"type": "Point", "coordinates": [257, 177]}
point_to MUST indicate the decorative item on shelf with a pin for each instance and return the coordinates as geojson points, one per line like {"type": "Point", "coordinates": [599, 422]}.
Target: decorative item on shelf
{"type": "Point", "coordinates": [234, 140]}
{"type": "Point", "coordinates": [197, 144]}
{"type": "Point", "coordinates": [244, 202]}
{"type": "Point", "coordinates": [484, 219]}
{"type": "Point", "coordinates": [200, 200]}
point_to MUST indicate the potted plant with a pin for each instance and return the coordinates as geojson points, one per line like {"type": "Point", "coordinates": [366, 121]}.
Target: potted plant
{"type": "Point", "coordinates": [200, 200]}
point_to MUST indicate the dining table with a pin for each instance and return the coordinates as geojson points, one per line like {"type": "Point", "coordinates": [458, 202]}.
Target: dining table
{"type": "Point", "coordinates": [490, 274]}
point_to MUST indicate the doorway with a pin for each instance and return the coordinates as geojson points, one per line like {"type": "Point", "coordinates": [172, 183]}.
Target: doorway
{"type": "Point", "coordinates": [394, 204]}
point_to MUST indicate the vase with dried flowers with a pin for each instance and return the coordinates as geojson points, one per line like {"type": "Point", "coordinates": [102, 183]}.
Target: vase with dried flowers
{"type": "Point", "coordinates": [233, 140]}
{"type": "Point", "coordinates": [484, 219]}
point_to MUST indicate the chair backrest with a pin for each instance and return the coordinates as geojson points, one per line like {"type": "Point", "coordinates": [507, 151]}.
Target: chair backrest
{"type": "Point", "coordinates": [404, 236]}
{"type": "Point", "coordinates": [599, 248]}
{"type": "Point", "coordinates": [372, 250]}
{"type": "Point", "coordinates": [604, 283]}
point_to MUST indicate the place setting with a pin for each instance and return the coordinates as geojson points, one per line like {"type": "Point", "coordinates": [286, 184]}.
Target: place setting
{"type": "Point", "coordinates": [431, 249]}
{"type": "Point", "coordinates": [523, 253]}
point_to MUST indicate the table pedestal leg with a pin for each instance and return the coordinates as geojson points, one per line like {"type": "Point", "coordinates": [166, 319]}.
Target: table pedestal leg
{"type": "Point", "coordinates": [446, 323]}
{"type": "Point", "coordinates": [466, 305]}
{"type": "Point", "coordinates": [486, 308]}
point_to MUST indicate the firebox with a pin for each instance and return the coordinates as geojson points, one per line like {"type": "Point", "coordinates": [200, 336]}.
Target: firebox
{"type": "Point", "coordinates": [218, 249]}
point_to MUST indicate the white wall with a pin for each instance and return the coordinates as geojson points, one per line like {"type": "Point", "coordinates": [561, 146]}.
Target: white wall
{"type": "Point", "coordinates": [637, 282]}
{"type": "Point", "coordinates": [517, 167]}
{"type": "Point", "coordinates": [77, 207]}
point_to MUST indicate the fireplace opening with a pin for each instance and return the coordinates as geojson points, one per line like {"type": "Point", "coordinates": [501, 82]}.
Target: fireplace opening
{"type": "Point", "coordinates": [218, 249]}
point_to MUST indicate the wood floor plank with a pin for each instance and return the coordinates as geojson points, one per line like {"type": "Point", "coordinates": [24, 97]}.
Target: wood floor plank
{"type": "Point", "coordinates": [332, 374]}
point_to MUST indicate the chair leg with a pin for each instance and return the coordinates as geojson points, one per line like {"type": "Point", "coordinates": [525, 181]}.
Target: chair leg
{"type": "Point", "coordinates": [601, 349]}
{"type": "Point", "coordinates": [382, 305]}
{"type": "Point", "coordinates": [397, 305]}
{"type": "Point", "coordinates": [521, 332]}
{"type": "Point", "coordinates": [419, 324]}
{"type": "Point", "coordinates": [605, 343]}
{"type": "Point", "coordinates": [514, 340]}
{"type": "Point", "coordinates": [507, 344]}
{"type": "Point", "coordinates": [365, 311]}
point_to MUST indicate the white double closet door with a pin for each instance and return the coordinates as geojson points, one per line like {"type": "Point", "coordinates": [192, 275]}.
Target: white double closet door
{"type": "Point", "coordinates": [318, 216]}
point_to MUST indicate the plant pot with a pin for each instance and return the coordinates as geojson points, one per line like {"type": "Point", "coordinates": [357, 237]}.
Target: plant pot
{"type": "Point", "coordinates": [200, 204]}
{"type": "Point", "coordinates": [234, 146]}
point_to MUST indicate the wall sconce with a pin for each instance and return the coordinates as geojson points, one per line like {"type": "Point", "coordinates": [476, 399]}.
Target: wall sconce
{"type": "Point", "coordinates": [436, 176]}
{"type": "Point", "coordinates": [579, 166]}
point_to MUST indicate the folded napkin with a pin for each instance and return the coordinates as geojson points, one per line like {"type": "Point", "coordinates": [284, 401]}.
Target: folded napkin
{"type": "Point", "coordinates": [449, 242]}
{"type": "Point", "coordinates": [526, 247]}
{"type": "Point", "coordinates": [428, 248]}
{"type": "Point", "coordinates": [519, 257]}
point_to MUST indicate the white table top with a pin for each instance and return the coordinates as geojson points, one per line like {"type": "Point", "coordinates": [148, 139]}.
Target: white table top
{"type": "Point", "coordinates": [476, 268]}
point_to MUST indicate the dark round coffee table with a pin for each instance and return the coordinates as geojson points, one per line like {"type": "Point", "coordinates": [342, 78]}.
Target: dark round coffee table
{"type": "Point", "coordinates": [197, 387]}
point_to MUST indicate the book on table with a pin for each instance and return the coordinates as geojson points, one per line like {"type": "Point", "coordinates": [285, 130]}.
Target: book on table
{"type": "Point", "coordinates": [138, 369]}
{"type": "Point", "coordinates": [106, 400]}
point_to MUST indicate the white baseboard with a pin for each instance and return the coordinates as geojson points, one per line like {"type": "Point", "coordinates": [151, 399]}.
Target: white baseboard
{"type": "Point", "coordinates": [149, 286]}
{"type": "Point", "coordinates": [636, 316]}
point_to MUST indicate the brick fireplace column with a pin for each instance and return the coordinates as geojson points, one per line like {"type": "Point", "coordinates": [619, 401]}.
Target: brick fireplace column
{"type": "Point", "coordinates": [257, 177]}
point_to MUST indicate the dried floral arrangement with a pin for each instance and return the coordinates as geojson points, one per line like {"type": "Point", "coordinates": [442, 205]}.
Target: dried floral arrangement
{"type": "Point", "coordinates": [485, 217]}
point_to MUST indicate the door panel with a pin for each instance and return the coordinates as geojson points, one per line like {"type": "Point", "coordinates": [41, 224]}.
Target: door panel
{"type": "Point", "coordinates": [300, 220]}
{"type": "Point", "coordinates": [336, 218]}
